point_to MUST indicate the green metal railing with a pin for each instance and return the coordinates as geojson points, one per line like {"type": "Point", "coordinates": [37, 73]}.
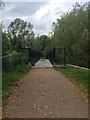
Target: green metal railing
{"type": "Point", "coordinates": [57, 56]}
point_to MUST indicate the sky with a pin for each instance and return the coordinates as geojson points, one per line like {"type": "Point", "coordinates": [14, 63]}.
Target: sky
{"type": "Point", "coordinates": [40, 13]}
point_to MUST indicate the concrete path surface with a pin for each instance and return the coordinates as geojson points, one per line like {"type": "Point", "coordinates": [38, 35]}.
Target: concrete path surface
{"type": "Point", "coordinates": [46, 93]}
{"type": "Point", "coordinates": [43, 63]}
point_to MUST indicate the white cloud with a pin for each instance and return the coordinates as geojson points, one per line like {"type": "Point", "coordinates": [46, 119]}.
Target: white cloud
{"type": "Point", "coordinates": [53, 1]}
{"type": "Point", "coordinates": [44, 15]}
{"type": "Point", "coordinates": [49, 13]}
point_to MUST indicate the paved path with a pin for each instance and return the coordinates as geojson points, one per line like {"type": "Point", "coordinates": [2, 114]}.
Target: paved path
{"type": "Point", "coordinates": [43, 63]}
{"type": "Point", "coordinates": [46, 93]}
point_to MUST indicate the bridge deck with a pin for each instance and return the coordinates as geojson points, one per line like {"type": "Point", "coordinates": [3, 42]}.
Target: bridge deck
{"type": "Point", "coordinates": [43, 63]}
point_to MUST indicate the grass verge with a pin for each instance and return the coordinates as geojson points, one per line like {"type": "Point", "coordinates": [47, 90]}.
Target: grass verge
{"type": "Point", "coordinates": [79, 76]}
{"type": "Point", "coordinates": [10, 79]}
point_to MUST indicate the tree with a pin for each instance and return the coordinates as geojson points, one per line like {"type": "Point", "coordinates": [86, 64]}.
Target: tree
{"type": "Point", "coordinates": [44, 40]}
{"type": "Point", "coordinates": [21, 34]}
{"type": "Point", "coordinates": [71, 31]}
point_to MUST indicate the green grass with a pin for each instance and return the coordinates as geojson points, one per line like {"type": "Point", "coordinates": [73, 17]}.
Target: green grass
{"type": "Point", "coordinates": [79, 76]}
{"type": "Point", "coordinates": [10, 79]}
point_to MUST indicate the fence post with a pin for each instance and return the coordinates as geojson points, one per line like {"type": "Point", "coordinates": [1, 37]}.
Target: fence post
{"type": "Point", "coordinates": [54, 52]}
{"type": "Point", "coordinates": [64, 57]}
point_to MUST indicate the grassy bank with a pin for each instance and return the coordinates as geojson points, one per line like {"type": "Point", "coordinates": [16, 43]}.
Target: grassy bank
{"type": "Point", "coordinates": [79, 76]}
{"type": "Point", "coordinates": [11, 78]}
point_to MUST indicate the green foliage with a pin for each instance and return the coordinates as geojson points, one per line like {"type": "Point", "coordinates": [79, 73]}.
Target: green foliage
{"type": "Point", "coordinates": [10, 79]}
{"type": "Point", "coordinates": [42, 44]}
{"type": "Point", "coordinates": [6, 45]}
{"type": "Point", "coordinates": [79, 76]}
{"type": "Point", "coordinates": [71, 31]}
{"type": "Point", "coordinates": [21, 34]}
{"type": "Point", "coordinates": [36, 44]}
{"type": "Point", "coordinates": [13, 60]}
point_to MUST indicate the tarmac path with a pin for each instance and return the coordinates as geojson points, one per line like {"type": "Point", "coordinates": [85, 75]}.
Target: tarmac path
{"type": "Point", "coordinates": [46, 93]}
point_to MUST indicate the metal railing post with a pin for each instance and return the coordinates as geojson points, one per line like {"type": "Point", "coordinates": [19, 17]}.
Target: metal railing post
{"type": "Point", "coordinates": [64, 57]}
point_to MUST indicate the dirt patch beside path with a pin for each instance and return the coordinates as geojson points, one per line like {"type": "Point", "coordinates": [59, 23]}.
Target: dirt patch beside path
{"type": "Point", "coordinates": [46, 93]}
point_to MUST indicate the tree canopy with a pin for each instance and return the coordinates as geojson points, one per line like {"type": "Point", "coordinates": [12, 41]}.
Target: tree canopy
{"type": "Point", "coordinates": [20, 34]}
{"type": "Point", "coordinates": [71, 31]}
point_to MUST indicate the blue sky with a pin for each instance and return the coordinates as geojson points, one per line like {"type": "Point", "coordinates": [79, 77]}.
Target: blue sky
{"type": "Point", "coordinates": [40, 14]}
